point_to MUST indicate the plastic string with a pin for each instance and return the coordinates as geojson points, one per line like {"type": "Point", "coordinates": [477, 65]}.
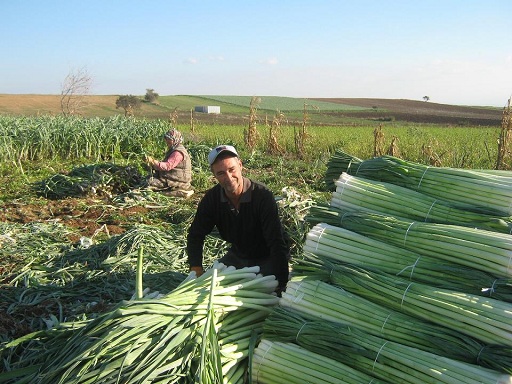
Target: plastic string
{"type": "Point", "coordinates": [261, 362]}
{"type": "Point", "coordinates": [378, 353]}
{"type": "Point", "coordinates": [343, 183]}
{"type": "Point", "coordinates": [343, 216]}
{"type": "Point", "coordinates": [406, 232]}
{"type": "Point", "coordinates": [426, 169]}
{"type": "Point", "coordinates": [410, 266]}
{"type": "Point", "coordinates": [319, 237]}
{"type": "Point", "coordinates": [299, 296]}
{"type": "Point", "coordinates": [428, 213]}
{"type": "Point", "coordinates": [384, 323]}
{"type": "Point", "coordinates": [358, 168]}
{"type": "Point", "coordinates": [490, 290]}
{"type": "Point", "coordinates": [478, 356]}
{"type": "Point", "coordinates": [298, 333]}
{"type": "Point", "coordinates": [349, 164]}
{"type": "Point", "coordinates": [403, 296]}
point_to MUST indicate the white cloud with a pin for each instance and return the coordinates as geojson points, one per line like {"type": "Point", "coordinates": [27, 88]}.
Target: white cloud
{"type": "Point", "coordinates": [191, 60]}
{"type": "Point", "coordinates": [270, 61]}
{"type": "Point", "coordinates": [216, 58]}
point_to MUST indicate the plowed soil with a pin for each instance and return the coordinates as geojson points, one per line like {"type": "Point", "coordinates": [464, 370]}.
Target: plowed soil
{"type": "Point", "coordinates": [421, 111]}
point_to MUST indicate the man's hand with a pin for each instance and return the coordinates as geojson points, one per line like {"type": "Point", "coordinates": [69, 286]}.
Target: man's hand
{"type": "Point", "coordinates": [198, 270]}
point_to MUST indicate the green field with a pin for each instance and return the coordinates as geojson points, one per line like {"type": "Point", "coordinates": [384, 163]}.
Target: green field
{"type": "Point", "coordinates": [283, 104]}
{"type": "Point", "coordinates": [74, 218]}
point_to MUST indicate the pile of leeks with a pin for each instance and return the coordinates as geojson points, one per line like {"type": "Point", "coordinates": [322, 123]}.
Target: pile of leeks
{"type": "Point", "coordinates": [406, 278]}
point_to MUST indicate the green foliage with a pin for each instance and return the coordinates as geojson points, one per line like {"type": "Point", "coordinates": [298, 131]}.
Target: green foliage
{"type": "Point", "coordinates": [151, 96]}
{"type": "Point", "coordinates": [129, 103]}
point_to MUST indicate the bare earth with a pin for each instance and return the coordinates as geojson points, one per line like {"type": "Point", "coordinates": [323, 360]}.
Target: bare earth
{"type": "Point", "coordinates": [423, 112]}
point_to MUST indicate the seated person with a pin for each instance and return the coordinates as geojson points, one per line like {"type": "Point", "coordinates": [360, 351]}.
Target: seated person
{"type": "Point", "coordinates": [174, 173]}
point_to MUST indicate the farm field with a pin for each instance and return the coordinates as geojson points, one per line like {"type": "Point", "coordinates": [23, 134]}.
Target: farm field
{"type": "Point", "coordinates": [234, 109]}
{"type": "Point", "coordinates": [73, 216]}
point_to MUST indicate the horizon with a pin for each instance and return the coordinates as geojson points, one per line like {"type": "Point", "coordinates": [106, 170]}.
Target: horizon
{"type": "Point", "coordinates": [330, 49]}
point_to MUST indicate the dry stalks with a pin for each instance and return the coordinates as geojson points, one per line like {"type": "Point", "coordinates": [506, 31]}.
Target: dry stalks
{"type": "Point", "coordinates": [302, 135]}
{"type": "Point", "coordinates": [378, 141]}
{"type": "Point", "coordinates": [504, 139]}
{"type": "Point", "coordinates": [251, 133]}
{"type": "Point", "coordinates": [393, 149]}
{"type": "Point", "coordinates": [274, 132]}
{"type": "Point", "coordinates": [192, 121]}
{"type": "Point", "coordinates": [173, 117]}
{"type": "Point", "coordinates": [432, 157]}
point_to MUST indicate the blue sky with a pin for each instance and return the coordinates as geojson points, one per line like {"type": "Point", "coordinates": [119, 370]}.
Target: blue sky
{"type": "Point", "coordinates": [454, 51]}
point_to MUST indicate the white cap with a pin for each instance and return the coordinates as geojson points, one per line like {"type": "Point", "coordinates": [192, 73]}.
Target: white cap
{"type": "Point", "coordinates": [218, 150]}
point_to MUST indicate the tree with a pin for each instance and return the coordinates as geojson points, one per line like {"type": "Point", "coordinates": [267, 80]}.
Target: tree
{"type": "Point", "coordinates": [151, 96]}
{"type": "Point", "coordinates": [426, 98]}
{"type": "Point", "coordinates": [129, 103]}
{"type": "Point", "coordinates": [76, 86]}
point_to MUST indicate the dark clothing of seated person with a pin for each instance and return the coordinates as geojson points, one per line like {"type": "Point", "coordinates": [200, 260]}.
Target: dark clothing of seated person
{"type": "Point", "coordinates": [246, 216]}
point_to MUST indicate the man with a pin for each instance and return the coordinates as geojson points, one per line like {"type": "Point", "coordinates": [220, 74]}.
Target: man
{"type": "Point", "coordinates": [174, 172]}
{"type": "Point", "coordinates": [245, 214]}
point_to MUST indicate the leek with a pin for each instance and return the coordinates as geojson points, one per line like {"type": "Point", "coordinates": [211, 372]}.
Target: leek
{"type": "Point", "coordinates": [286, 363]}
{"type": "Point", "coordinates": [154, 339]}
{"type": "Point", "coordinates": [480, 191]}
{"type": "Point", "coordinates": [315, 299]}
{"type": "Point", "coordinates": [387, 360]}
{"type": "Point", "coordinates": [485, 319]}
{"type": "Point", "coordinates": [346, 246]}
{"type": "Point", "coordinates": [487, 251]}
{"type": "Point", "coordinates": [356, 193]}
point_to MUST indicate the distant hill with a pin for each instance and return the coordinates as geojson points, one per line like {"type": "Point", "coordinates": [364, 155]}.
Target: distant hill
{"type": "Point", "coordinates": [234, 109]}
{"type": "Point", "coordinates": [424, 112]}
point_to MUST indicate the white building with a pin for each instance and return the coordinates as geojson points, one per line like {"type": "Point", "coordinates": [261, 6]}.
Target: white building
{"type": "Point", "coordinates": [207, 108]}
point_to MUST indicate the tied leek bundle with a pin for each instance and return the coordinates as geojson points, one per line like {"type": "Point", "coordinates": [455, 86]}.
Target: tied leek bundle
{"type": "Point", "coordinates": [315, 299]}
{"type": "Point", "coordinates": [484, 190]}
{"type": "Point", "coordinates": [276, 362]}
{"type": "Point", "coordinates": [346, 246]}
{"type": "Point", "coordinates": [356, 193]}
{"type": "Point", "coordinates": [484, 319]}
{"type": "Point", "coordinates": [386, 360]}
{"type": "Point", "coordinates": [487, 251]}
{"type": "Point", "coordinates": [199, 332]}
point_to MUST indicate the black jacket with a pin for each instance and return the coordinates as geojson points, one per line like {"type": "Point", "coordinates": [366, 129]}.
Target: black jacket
{"type": "Point", "coordinates": [255, 231]}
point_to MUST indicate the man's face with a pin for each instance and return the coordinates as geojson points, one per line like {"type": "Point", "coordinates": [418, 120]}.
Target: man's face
{"type": "Point", "coordinates": [228, 173]}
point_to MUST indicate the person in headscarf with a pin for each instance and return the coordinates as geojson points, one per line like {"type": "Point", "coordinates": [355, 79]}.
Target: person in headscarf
{"type": "Point", "coordinates": [174, 172]}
